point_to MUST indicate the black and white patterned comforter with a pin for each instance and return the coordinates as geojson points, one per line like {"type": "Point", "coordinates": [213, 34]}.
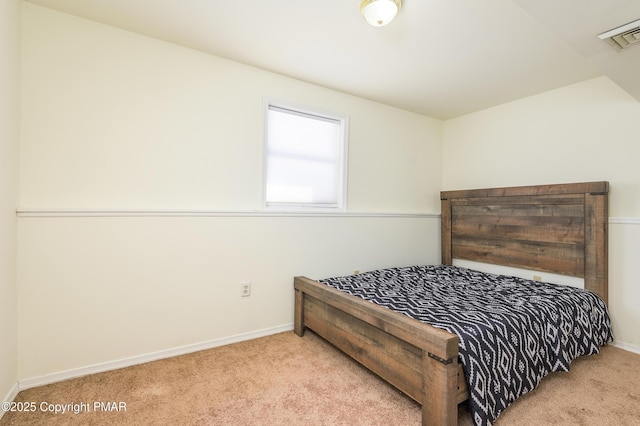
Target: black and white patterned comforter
{"type": "Point", "coordinates": [512, 332]}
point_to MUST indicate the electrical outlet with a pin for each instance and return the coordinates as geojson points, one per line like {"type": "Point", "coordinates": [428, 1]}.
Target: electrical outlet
{"type": "Point", "coordinates": [356, 271]}
{"type": "Point", "coordinates": [245, 289]}
{"type": "Point", "coordinates": [537, 278]}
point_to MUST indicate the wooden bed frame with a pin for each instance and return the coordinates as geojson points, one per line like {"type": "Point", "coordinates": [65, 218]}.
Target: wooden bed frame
{"type": "Point", "coordinates": [558, 228]}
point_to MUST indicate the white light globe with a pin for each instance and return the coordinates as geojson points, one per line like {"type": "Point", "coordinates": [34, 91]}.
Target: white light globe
{"type": "Point", "coordinates": [379, 12]}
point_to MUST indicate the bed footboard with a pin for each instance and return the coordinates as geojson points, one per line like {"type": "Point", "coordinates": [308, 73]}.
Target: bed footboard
{"type": "Point", "coordinates": [416, 358]}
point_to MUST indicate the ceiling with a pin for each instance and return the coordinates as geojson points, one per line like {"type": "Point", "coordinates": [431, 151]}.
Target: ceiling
{"type": "Point", "coordinates": [441, 58]}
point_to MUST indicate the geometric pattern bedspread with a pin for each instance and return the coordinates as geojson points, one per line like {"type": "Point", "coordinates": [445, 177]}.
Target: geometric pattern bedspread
{"type": "Point", "coordinates": [512, 331]}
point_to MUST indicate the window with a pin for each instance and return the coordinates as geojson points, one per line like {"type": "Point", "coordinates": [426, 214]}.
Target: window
{"type": "Point", "coordinates": [305, 162]}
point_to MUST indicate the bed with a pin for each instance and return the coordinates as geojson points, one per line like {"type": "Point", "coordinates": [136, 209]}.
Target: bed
{"type": "Point", "coordinates": [560, 228]}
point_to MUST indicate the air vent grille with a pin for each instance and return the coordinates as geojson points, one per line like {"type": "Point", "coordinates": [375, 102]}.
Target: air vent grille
{"type": "Point", "coordinates": [623, 37]}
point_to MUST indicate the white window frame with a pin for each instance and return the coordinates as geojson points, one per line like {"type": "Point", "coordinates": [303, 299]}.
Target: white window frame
{"type": "Point", "coordinates": [341, 162]}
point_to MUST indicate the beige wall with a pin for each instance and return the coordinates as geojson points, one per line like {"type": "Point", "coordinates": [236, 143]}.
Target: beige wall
{"type": "Point", "coordinates": [9, 127]}
{"type": "Point", "coordinates": [116, 121]}
{"type": "Point", "coordinates": [95, 290]}
{"type": "Point", "coordinates": [584, 132]}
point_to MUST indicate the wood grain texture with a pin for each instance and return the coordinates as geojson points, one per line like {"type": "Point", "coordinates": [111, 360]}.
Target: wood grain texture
{"type": "Point", "coordinates": [445, 231]}
{"type": "Point", "coordinates": [513, 191]}
{"type": "Point", "coordinates": [560, 229]}
{"type": "Point", "coordinates": [554, 228]}
{"type": "Point", "coordinates": [394, 346]}
{"type": "Point", "coordinates": [596, 277]}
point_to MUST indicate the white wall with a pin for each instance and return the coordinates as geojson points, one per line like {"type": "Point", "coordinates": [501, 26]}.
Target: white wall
{"type": "Point", "coordinates": [9, 136]}
{"type": "Point", "coordinates": [116, 121]}
{"type": "Point", "coordinates": [584, 132]}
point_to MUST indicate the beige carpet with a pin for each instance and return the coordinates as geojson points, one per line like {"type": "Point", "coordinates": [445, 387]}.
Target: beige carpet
{"type": "Point", "coordinates": [285, 380]}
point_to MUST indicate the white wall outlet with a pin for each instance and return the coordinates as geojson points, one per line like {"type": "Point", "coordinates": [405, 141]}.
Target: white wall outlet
{"type": "Point", "coordinates": [537, 278]}
{"type": "Point", "coordinates": [356, 271]}
{"type": "Point", "coordinates": [245, 289]}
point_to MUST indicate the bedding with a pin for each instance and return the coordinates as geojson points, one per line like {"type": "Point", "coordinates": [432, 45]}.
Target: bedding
{"type": "Point", "coordinates": [512, 332]}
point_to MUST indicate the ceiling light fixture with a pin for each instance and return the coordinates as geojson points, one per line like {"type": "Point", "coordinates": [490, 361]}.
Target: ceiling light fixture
{"type": "Point", "coordinates": [379, 12]}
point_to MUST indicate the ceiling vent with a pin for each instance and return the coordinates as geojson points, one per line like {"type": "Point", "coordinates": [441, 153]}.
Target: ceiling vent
{"type": "Point", "coordinates": [623, 37]}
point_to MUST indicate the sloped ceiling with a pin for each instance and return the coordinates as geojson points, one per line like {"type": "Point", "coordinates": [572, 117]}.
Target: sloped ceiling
{"type": "Point", "coordinates": [441, 58]}
{"type": "Point", "coordinates": [579, 22]}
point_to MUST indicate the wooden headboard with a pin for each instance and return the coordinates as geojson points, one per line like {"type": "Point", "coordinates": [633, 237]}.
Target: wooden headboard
{"type": "Point", "coordinates": [558, 228]}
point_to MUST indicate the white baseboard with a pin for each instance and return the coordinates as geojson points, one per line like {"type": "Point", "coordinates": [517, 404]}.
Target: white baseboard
{"type": "Point", "coordinates": [626, 346]}
{"type": "Point", "coordinates": [141, 359]}
{"type": "Point", "coordinates": [183, 350]}
{"type": "Point", "coordinates": [10, 396]}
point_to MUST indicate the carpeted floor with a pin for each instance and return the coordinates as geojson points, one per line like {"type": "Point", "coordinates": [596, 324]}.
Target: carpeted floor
{"type": "Point", "coordinates": [285, 380]}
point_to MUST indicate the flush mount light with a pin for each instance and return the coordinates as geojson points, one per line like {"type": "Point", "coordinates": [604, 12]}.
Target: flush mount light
{"type": "Point", "coordinates": [379, 12]}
